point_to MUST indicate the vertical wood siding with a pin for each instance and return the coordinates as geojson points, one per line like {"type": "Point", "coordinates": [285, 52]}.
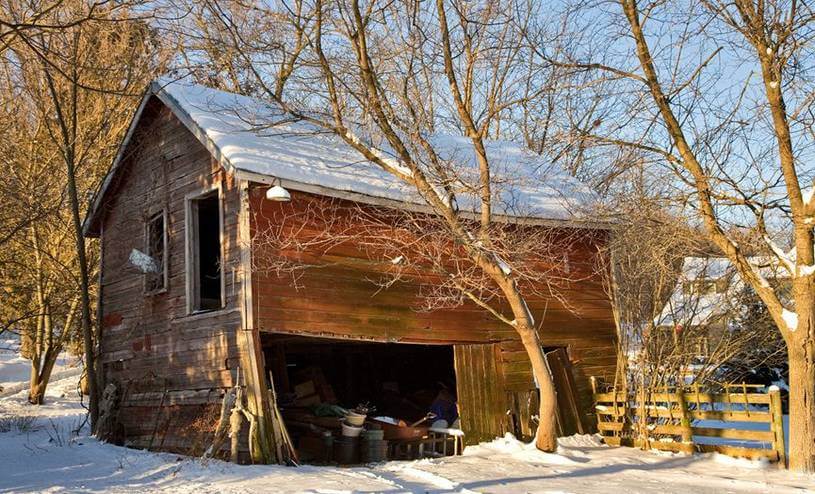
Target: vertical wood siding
{"type": "Point", "coordinates": [479, 382]}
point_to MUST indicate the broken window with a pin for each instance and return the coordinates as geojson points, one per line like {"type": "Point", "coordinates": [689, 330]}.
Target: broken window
{"type": "Point", "coordinates": [205, 240]}
{"type": "Point", "coordinates": [156, 275]}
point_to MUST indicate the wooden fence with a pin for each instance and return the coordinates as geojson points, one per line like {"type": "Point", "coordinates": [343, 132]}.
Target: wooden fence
{"type": "Point", "coordinates": [740, 421]}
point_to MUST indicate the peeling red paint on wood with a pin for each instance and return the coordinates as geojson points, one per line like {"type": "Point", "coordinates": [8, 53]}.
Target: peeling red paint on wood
{"type": "Point", "coordinates": [110, 320]}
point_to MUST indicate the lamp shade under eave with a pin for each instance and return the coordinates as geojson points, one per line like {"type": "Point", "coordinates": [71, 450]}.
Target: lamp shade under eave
{"type": "Point", "coordinates": [278, 193]}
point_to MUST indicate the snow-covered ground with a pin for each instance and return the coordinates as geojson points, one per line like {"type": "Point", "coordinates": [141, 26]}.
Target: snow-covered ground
{"type": "Point", "coordinates": [15, 370]}
{"type": "Point", "coordinates": [50, 458]}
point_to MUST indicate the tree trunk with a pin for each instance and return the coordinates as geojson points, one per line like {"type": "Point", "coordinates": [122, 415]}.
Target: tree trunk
{"type": "Point", "coordinates": [546, 435]}
{"type": "Point", "coordinates": [34, 382]}
{"type": "Point", "coordinates": [68, 125]}
{"type": "Point", "coordinates": [524, 324]}
{"type": "Point", "coordinates": [84, 286]}
{"type": "Point", "coordinates": [802, 400]}
{"type": "Point", "coordinates": [36, 393]}
{"type": "Point", "coordinates": [37, 341]}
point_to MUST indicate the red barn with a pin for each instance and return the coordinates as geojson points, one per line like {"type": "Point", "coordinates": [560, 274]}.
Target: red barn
{"type": "Point", "coordinates": [183, 309]}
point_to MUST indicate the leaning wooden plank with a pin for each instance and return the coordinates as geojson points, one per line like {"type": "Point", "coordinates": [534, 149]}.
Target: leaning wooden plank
{"type": "Point", "coordinates": [221, 428]}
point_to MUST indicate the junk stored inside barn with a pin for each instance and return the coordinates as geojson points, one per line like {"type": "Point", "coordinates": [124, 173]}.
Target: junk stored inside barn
{"type": "Point", "coordinates": [319, 380]}
{"type": "Point", "coordinates": [199, 323]}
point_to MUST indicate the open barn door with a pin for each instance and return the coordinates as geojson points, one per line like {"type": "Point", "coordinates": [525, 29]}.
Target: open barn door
{"type": "Point", "coordinates": [480, 390]}
{"type": "Point", "coordinates": [493, 402]}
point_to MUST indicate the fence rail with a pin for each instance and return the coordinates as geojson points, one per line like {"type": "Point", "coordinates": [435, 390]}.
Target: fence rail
{"type": "Point", "coordinates": [740, 422]}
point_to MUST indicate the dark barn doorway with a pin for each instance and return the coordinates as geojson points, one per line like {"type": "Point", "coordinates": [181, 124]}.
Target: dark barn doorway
{"type": "Point", "coordinates": [312, 375]}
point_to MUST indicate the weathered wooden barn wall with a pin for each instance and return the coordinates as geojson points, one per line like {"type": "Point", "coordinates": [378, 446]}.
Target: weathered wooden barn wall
{"type": "Point", "coordinates": [338, 299]}
{"type": "Point", "coordinates": [171, 367]}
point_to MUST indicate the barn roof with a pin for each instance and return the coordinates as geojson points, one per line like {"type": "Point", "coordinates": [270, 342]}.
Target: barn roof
{"type": "Point", "coordinates": [238, 131]}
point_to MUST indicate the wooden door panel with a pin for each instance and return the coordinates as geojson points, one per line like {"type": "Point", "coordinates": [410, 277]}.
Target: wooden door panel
{"type": "Point", "coordinates": [481, 397]}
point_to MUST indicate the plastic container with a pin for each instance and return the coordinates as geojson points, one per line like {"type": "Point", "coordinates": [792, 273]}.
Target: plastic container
{"type": "Point", "coordinates": [346, 450]}
{"type": "Point", "coordinates": [351, 430]}
{"type": "Point", "coordinates": [373, 435]}
{"type": "Point", "coordinates": [355, 419]}
{"type": "Point", "coordinates": [373, 451]}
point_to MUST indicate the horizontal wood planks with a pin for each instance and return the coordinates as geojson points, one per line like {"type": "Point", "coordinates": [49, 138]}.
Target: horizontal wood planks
{"type": "Point", "coordinates": [336, 297]}
{"type": "Point", "coordinates": [172, 368]}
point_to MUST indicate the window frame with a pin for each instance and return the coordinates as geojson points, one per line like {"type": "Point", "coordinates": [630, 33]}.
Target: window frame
{"type": "Point", "coordinates": [191, 262]}
{"type": "Point", "coordinates": [165, 278]}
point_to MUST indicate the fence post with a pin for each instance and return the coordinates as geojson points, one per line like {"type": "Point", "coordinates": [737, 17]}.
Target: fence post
{"type": "Point", "coordinates": [684, 421]}
{"type": "Point", "coordinates": [777, 424]}
{"type": "Point", "coordinates": [593, 381]}
{"type": "Point", "coordinates": [642, 426]}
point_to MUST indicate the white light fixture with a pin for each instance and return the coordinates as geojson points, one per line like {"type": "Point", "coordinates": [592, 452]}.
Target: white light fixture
{"type": "Point", "coordinates": [278, 193]}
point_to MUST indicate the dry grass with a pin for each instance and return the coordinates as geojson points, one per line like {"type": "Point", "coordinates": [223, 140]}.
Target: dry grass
{"type": "Point", "coordinates": [20, 423]}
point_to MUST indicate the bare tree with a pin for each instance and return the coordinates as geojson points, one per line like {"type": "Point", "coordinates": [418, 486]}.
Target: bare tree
{"type": "Point", "coordinates": [24, 21]}
{"type": "Point", "coordinates": [383, 77]}
{"type": "Point", "coordinates": [686, 321]}
{"type": "Point", "coordinates": [37, 263]}
{"type": "Point", "coordinates": [719, 94]}
{"type": "Point", "coordinates": [81, 79]}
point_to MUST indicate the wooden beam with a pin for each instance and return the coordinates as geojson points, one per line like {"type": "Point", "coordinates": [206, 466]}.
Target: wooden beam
{"type": "Point", "coordinates": [257, 396]}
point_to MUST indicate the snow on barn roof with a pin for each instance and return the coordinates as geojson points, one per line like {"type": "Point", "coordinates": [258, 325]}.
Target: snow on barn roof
{"type": "Point", "coordinates": [253, 139]}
